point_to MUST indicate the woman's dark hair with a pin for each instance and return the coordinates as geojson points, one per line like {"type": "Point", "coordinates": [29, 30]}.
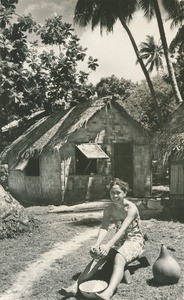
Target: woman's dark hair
{"type": "Point", "coordinates": [122, 184]}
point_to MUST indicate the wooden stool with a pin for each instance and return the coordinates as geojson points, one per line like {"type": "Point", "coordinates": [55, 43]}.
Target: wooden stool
{"type": "Point", "coordinates": [145, 261]}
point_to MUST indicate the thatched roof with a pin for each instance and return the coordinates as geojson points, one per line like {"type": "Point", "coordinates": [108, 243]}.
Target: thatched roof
{"type": "Point", "coordinates": [52, 132]}
{"type": "Point", "coordinates": [16, 123]}
{"type": "Point", "coordinates": [171, 138]}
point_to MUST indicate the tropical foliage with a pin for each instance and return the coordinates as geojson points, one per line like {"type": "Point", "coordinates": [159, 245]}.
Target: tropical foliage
{"type": "Point", "coordinates": [115, 87]}
{"type": "Point", "coordinates": [177, 45]}
{"type": "Point", "coordinates": [173, 8]}
{"type": "Point", "coordinates": [105, 14]}
{"type": "Point", "coordinates": [34, 76]}
{"type": "Point", "coordinates": [152, 53]}
{"type": "Point", "coordinates": [140, 105]}
{"type": "Point", "coordinates": [178, 41]}
{"type": "Point", "coordinates": [45, 74]}
{"type": "Point", "coordinates": [176, 15]}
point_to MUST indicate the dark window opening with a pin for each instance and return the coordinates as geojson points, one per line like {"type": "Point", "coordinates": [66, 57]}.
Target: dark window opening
{"type": "Point", "coordinates": [84, 165]}
{"type": "Point", "coordinates": [123, 162]}
{"type": "Point", "coordinates": [32, 168]}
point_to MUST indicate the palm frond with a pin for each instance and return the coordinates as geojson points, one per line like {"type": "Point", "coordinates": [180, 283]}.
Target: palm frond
{"type": "Point", "coordinates": [103, 12]}
{"type": "Point", "coordinates": [148, 8]}
{"type": "Point", "coordinates": [104, 15]}
{"type": "Point", "coordinates": [84, 12]}
{"type": "Point", "coordinates": [178, 40]}
{"type": "Point", "coordinates": [126, 9]}
{"type": "Point", "coordinates": [172, 7]}
{"type": "Point", "coordinates": [176, 13]}
{"type": "Point", "coordinates": [158, 64]}
{"type": "Point", "coordinates": [144, 55]}
{"type": "Point", "coordinates": [151, 53]}
{"type": "Point", "coordinates": [151, 66]}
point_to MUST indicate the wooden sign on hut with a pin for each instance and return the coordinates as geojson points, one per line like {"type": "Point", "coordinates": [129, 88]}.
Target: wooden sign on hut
{"type": "Point", "coordinates": [72, 155]}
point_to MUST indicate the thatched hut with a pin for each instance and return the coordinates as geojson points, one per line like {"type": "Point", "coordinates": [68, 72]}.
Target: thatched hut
{"type": "Point", "coordinates": [169, 147]}
{"type": "Point", "coordinates": [71, 156]}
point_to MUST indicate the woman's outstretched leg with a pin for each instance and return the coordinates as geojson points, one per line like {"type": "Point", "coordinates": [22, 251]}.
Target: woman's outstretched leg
{"type": "Point", "coordinates": [117, 276]}
{"type": "Point", "coordinates": [91, 269]}
{"type": "Point", "coordinates": [87, 274]}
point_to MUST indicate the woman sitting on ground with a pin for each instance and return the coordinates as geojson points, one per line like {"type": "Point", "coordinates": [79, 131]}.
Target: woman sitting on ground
{"type": "Point", "coordinates": [128, 240]}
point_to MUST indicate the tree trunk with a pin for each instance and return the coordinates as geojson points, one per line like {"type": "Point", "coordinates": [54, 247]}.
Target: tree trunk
{"type": "Point", "coordinates": [146, 74]}
{"type": "Point", "coordinates": [166, 53]}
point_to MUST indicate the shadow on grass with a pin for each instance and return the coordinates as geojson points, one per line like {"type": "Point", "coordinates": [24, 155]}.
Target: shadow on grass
{"type": "Point", "coordinates": [154, 283]}
{"type": "Point", "coordinates": [89, 222]}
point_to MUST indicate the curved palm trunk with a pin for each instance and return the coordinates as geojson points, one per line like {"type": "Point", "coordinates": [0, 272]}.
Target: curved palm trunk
{"type": "Point", "coordinates": [146, 74]}
{"type": "Point", "coordinates": [166, 53]}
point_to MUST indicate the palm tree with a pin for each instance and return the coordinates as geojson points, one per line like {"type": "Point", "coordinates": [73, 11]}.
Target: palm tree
{"type": "Point", "coordinates": [152, 8]}
{"type": "Point", "coordinates": [152, 53]}
{"type": "Point", "coordinates": [105, 13]}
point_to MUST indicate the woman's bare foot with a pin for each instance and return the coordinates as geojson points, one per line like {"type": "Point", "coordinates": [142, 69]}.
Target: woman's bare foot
{"type": "Point", "coordinates": [106, 295]}
{"type": "Point", "coordinates": [69, 291]}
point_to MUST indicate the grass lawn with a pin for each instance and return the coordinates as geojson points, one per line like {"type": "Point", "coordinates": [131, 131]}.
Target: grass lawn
{"type": "Point", "coordinates": [18, 253]}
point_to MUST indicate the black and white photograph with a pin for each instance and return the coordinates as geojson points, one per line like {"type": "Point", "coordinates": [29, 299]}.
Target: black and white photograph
{"type": "Point", "coordinates": [91, 149]}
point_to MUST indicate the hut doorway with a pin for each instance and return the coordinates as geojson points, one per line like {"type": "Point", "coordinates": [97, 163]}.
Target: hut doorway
{"type": "Point", "coordinates": [123, 162]}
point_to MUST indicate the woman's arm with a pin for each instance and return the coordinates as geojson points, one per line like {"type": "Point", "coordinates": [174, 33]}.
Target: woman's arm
{"type": "Point", "coordinates": [104, 227]}
{"type": "Point", "coordinates": [101, 236]}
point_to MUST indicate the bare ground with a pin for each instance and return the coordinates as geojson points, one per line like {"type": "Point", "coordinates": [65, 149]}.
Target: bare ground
{"type": "Point", "coordinates": [37, 265]}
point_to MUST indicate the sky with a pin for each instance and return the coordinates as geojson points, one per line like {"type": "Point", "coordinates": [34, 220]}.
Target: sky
{"type": "Point", "coordinates": [114, 51]}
